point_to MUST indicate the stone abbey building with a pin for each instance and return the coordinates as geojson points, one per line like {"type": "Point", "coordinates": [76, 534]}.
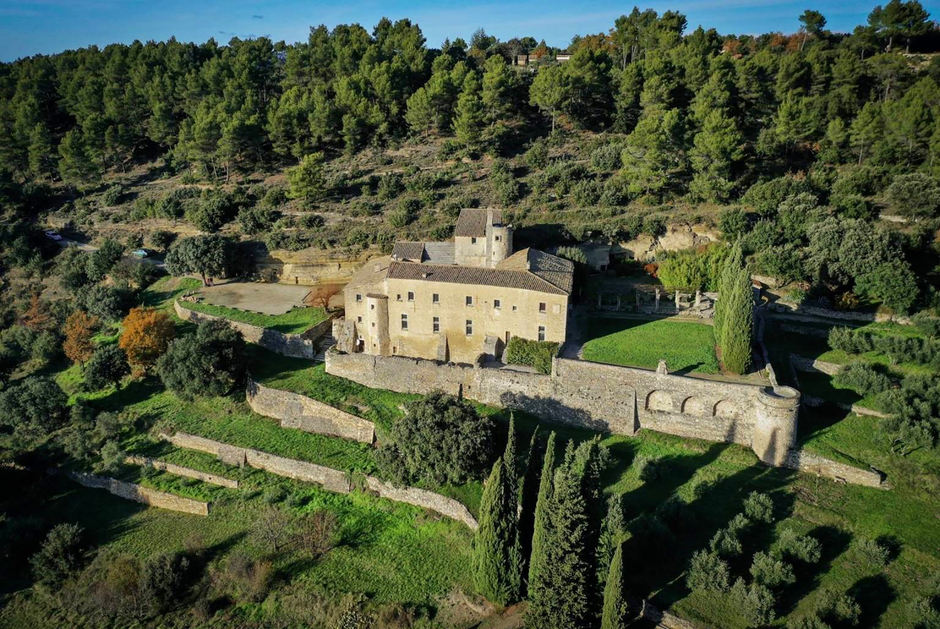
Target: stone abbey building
{"type": "Point", "coordinates": [457, 301]}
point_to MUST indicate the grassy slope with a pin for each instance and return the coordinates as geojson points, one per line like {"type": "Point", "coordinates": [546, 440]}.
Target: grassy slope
{"type": "Point", "coordinates": [294, 321]}
{"type": "Point", "coordinates": [685, 346]}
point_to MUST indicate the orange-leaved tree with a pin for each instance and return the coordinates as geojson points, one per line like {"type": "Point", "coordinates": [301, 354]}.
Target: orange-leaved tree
{"type": "Point", "coordinates": [146, 336]}
{"type": "Point", "coordinates": [79, 330]}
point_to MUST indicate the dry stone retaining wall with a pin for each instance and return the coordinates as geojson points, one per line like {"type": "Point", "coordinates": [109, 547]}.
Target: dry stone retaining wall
{"type": "Point", "coordinates": [804, 461]}
{"type": "Point", "coordinates": [303, 413]}
{"type": "Point", "coordinates": [145, 495]}
{"type": "Point", "coordinates": [330, 479]}
{"type": "Point", "coordinates": [601, 397]}
{"type": "Point", "coordinates": [292, 345]}
{"type": "Point", "coordinates": [179, 470]}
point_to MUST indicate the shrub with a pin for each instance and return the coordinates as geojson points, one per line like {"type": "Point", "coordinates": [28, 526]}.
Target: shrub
{"type": "Point", "coordinates": [112, 196]}
{"type": "Point", "coordinates": [756, 603]}
{"type": "Point", "coordinates": [606, 158]}
{"type": "Point", "coordinates": [853, 206]}
{"type": "Point", "coordinates": [844, 339]}
{"type": "Point", "coordinates": [61, 554]}
{"type": "Point", "coordinates": [707, 572]}
{"type": "Point", "coordinates": [316, 532]}
{"type": "Point", "coordinates": [538, 354]}
{"type": "Point", "coordinates": [275, 197]}
{"type": "Point", "coordinates": [654, 225]}
{"type": "Point", "coordinates": [537, 155]}
{"type": "Point", "coordinates": [759, 507]}
{"type": "Point", "coordinates": [574, 254]}
{"type": "Point", "coordinates": [405, 213]}
{"type": "Point", "coordinates": [862, 378]}
{"type": "Point", "coordinates": [442, 439]}
{"type": "Point", "coordinates": [35, 402]}
{"type": "Point", "coordinates": [104, 302]}
{"type": "Point", "coordinates": [256, 219]}
{"type": "Point", "coordinates": [390, 186]}
{"type": "Point", "coordinates": [771, 571]}
{"type": "Point", "coordinates": [272, 495]}
{"type": "Point", "coordinates": [503, 183]}
{"type": "Point", "coordinates": [163, 580]}
{"type": "Point", "coordinates": [649, 468]}
{"type": "Point", "coordinates": [112, 458]}
{"type": "Point", "coordinates": [765, 197]}
{"type": "Point", "coordinates": [726, 543]}
{"type": "Point", "coordinates": [162, 239]}
{"type": "Point", "coordinates": [587, 192]}
{"type": "Point", "coordinates": [914, 194]}
{"type": "Point", "coordinates": [928, 324]}
{"type": "Point", "coordinates": [209, 362]}
{"type": "Point", "coordinates": [107, 367]}
{"type": "Point", "coordinates": [872, 553]}
{"type": "Point", "coordinates": [692, 270]}
{"type": "Point", "coordinates": [243, 578]}
{"type": "Point", "coordinates": [803, 547]}
{"type": "Point", "coordinates": [310, 221]}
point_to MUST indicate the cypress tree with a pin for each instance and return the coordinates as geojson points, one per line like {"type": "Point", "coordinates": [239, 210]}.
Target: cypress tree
{"type": "Point", "coordinates": [542, 524]}
{"type": "Point", "coordinates": [734, 261]}
{"type": "Point", "coordinates": [497, 562]}
{"type": "Point", "coordinates": [615, 606]}
{"type": "Point", "coordinates": [738, 324]}
{"type": "Point", "coordinates": [562, 596]}
{"type": "Point", "coordinates": [529, 498]}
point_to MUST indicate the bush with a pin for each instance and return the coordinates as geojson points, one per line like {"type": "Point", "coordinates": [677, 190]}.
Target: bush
{"type": "Point", "coordinates": [771, 571]}
{"type": "Point", "coordinates": [649, 468]}
{"type": "Point", "coordinates": [162, 239]}
{"type": "Point", "coordinates": [756, 603]}
{"type": "Point", "coordinates": [61, 554]}
{"type": "Point", "coordinates": [390, 186]}
{"type": "Point", "coordinates": [209, 362]}
{"type": "Point", "coordinates": [862, 378]}
{"type": "Point", "coordinates": [107, 367]}
{"type": "Point", "coordinates": [310, 221]}
{"type": "Point", "coordinates": [693, 270]}
{"type": "Point", "coordinates": [35, 402]}
{"type": "Point", "coordinates": [707, 573]}
{"type": "Point", "coordinates": [316, 532]}
{"type": "Point", "coordinates": [853, 206]}
{"type": "Point", "coordinates": [272, 495]}
{"type": "Point", "coordinates": [872, 553]}
{"type": "Point", "coordinates": [587, 192]}
{"type": "Point", "coordinates": [112, 458]}
{"type": "Point", "coordinates": [915, 194]}
{"type": "Point", "coordinates": [654, 225]}
{"type": "Point", "coordinates": [243, 578]}
{"type": "Point", "coordinates": [256, 220]}
{"type": "Point", "coordinates": [112, 196]}
{"type": "Point", "coordinates": [107, 303]}
{"type": "Point", "coordinates": [214, 211]}
{"type": "Point", "coordinates": [606, 158]}
{"type": "Point", "coordinates": [733, 224]}
{"type": "Point", "coordinates": [442, 439]}
{"type": "Point", "coordinates": [405, 213]}
{"type": "Point", "coordinates": [726, 543]}
{"type": "Point", "coordinates": [759, 507]}
{"type": "Point", "coordinates": [803, 547]}
{"type": "Point", "coordinates": [164, 579]}
{"type": "Point", "coordinates": [538, 354]}
{"type": "Point", "coordinates": [537, 155]}
{"type": "Point", "coordinates": [765, 197]}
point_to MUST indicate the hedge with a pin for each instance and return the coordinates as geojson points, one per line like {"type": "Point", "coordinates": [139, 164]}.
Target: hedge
{"type": "Point", "coordinates": [536, 354]}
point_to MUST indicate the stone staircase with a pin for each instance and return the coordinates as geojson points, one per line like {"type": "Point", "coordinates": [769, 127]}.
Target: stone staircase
{"type": "Point", "coordinates": [326, 342]}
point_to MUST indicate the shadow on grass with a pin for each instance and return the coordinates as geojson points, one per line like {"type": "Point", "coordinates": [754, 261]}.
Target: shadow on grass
{"type": "Point", "coordinates": [874, 594]}
{"type": "Point", "coordinates": [814, 420]}
{"type": "Point", "coordinates": [834, 542]}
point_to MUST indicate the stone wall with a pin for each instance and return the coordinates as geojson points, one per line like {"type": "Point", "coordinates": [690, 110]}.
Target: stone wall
{"type": "Point", "coordinates": [808, 462]}
{"type": "Point", "coordinates": [179, 470]}
{"type": "Point", "coordinates": [804, 363]}
{"type": "Point", "coordinates": [601, 397]}
{"type": "Point", "coordinates": [293, 345]}
{"type": "Point", "coordinates": [145, 495]}
{"type": "Point", "coordinates": [330, 479]}
{"type": "Point", "coordinates": [303, 413]}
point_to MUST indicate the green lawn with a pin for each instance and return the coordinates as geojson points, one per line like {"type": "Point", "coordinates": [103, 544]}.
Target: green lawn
{"type": "Point", "coordinates": [685, 346]}
{"type": "Point", "coordinates": [294, 321]}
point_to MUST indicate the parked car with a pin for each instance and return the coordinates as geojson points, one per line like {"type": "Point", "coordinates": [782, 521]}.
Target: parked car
{"type": "Point", "coordinates": [140, 253]}
{"type": "Point", "coordinates": [52, 234]}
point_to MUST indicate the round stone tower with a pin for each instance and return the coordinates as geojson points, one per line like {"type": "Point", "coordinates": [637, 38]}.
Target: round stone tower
{"type": "Point", "coordinates": [500, 242]}
{"type": "Point", "coordinates": [777, 409]}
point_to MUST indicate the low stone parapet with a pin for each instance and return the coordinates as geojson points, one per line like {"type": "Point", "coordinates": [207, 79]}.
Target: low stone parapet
{"type": "Point", "coordinates": [179, 470]}
{"type": "Point", "coordinates": [144, 495]}
{"type": "Point", "coordinates": [804, 461]}
{"type": "Point", "coordinates": [291, 345]}
{"type": "Point", "coordinates": [304, 413]}
{"type": "Point", "coordinates": [423, 498]}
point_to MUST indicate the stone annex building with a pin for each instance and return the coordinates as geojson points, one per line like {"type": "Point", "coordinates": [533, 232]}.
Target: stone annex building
{"type": "Point", "coordinates": [458, 301]}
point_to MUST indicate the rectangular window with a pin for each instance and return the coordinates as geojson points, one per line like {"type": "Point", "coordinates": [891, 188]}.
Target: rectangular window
{"type": "Point", "coordinates": [436, 325]}
{"type": "Point", "coordinates": [542, 307]}
{"type": "Point", "coordinates": [541, 332]}
{"type": "Point", "coordinates": [404, 322]}
{"type": "Point", "coordinates": [514, 308]}
{"type": "Point", "coordinates": [358, 319]}
{"type": "Point", "coordinates": [435, 298]}
{"type": "Point", "coordinates": [496, 304]}
{"type": "Point", "coordinates": [358, 298]}
{"type": "Point", "coordinates": [469, 300]}
{"type": "Point", "coordinates": [469, 327]}
{"type": "Point", "coordinates": [398, 297]}
{"type": "Point", "coordinates": [497, 238]}
{"type": "Point", "coordinates": [473, 241]}
{"type": "Point", "coordinates": [411, 296]}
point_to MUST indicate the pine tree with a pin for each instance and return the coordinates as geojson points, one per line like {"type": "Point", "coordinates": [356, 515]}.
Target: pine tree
{"type": "Point", "coordinates": [738, 324]}
{"type": "Point", "coordinates": [562, 597]}
{"type": "Point", "coordinates": [615, 606]}
{"type": "Point", "coordinates": [542, 524]}
{"type": "Point", "coordinates": [496, 561]}
{"type": "Point", "coordinates": [468, 119]}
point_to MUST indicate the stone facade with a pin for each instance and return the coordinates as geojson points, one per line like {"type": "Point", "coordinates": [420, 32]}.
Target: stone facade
{"type": "Point", "coordinates": [303, 413]}
{"type": "Point", "coordinates": [292, 345]}
{"type": "Point", "coordinates": [149, 497]}
{"type": "Point", "coordinates": [328, 478]}
{"type": "Point", "coordinates": [310, 266]}
{"type": "Point", "coordinates": [179, 470]}
{"type": "Point", "coordinates": [601, 397]}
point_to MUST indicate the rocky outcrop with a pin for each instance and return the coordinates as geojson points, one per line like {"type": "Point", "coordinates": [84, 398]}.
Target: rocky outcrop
{"type": "Point", "coordinates": [679, 237]}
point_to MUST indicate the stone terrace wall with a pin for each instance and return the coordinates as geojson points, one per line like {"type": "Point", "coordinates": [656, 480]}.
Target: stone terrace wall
{"type": "Point", "coordinates": [179, 470]}
{"type": "Point", "coordinates": [808, 462]}
{"type": "Point", "coordinates": [330, 479]}
{"type": "Point", "coordinates": [150, 497]}
{"type": "Point", "coordinates": [303, 413]}
{"type": "Point", "coordinates": [601, 397]}
{"type": "Point", "coordinates": [292, 345]}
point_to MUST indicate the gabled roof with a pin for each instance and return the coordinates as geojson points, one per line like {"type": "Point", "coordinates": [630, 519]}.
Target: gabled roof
{"type": "Point", "coordinates": [411, 251]}
{"type": "Point", "coordinates": [554, 270]}
{"type": "Point", "coordinates": [472, 221]}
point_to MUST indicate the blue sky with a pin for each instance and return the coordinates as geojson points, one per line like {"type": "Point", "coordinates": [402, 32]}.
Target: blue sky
{"type": "Point", "coordinates": [47, 26]}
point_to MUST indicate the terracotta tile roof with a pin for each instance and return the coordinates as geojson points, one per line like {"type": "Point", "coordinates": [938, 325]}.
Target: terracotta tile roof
{"type": "Point", "coordinates": [510, 278]}
{"type": "Point", "coordinates": [413, 251]}
{"type": "Point", "coordinates": [472, 221]}
{"type": "Point", "coordinates": [554, 270]}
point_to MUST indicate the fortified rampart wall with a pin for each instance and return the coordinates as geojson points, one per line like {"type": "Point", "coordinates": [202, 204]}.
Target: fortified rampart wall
{"type": "Point", "coordinates": [292, 345]}
{"type": "Point", "coordinates": [601, 397]}
{"type": "Point", "coordinates": [303, 413]}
